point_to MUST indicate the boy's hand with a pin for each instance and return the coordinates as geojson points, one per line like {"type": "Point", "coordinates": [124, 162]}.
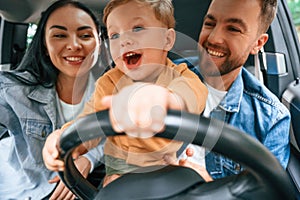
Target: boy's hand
{"type": "Point", "coordinates": [140, 109]}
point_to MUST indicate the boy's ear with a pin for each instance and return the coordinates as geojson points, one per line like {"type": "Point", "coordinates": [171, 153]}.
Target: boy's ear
{"type": "Point", "coordinates": [261, 41]}
{"type": "Point", "coordinates": [170, 39]}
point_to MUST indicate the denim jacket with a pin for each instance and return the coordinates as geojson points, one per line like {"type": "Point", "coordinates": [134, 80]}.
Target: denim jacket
{"type": "Point", "coordinates": [30, 114]}
{"type": "Point", "coordinates": [252, 108]}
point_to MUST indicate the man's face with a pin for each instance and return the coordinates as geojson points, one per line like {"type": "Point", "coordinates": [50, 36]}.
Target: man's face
{"type": "Point", "coordinates": [229, 34]}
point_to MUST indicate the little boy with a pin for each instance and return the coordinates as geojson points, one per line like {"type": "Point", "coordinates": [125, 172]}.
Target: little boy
{"type": "Point", "coordinates": [142, 86]}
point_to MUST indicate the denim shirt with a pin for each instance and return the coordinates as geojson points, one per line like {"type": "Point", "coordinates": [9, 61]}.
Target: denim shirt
{"type": "Point", "coordinates": [252, 108]}
{"type": "Point", "coordinates": [29, 113]}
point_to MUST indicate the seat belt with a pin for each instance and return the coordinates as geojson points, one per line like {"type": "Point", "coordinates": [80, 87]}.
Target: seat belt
{"type": "Point", "coordinates": [260, 66]}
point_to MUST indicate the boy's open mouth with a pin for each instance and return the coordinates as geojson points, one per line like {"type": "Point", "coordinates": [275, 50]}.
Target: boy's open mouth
{"type": "Point", "coordinates": [132, 59]}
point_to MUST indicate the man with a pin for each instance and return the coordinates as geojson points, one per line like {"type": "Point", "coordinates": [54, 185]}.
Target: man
{"type": "Point", "coordinates": [233, 29]}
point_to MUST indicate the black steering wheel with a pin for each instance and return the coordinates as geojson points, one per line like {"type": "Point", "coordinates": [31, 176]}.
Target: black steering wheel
{"type": "Point", "coordinates": [264, 178]}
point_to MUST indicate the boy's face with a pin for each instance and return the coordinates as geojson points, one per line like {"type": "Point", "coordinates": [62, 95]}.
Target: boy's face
{"type": "Point", "coordinates": [138, 41]}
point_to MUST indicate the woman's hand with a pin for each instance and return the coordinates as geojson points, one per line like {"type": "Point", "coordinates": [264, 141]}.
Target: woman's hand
{"type": "Point", "coordinates": [61, 191]}
{"type": "Point", "coordinates": [50, 152]}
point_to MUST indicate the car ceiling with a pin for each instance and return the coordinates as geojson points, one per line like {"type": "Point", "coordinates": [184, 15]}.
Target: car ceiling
{"type": "Point", "coordinates": [25, 11]}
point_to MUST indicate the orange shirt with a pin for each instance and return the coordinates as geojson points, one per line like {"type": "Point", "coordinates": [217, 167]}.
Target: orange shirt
{"type": "Point", "coordinates": [147, 152]}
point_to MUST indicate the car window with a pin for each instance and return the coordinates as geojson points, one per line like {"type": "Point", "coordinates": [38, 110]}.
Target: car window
{"type": "Point", "coordinates": [294, 6]}
{"type": "Point", "coordinates": [30, 33]}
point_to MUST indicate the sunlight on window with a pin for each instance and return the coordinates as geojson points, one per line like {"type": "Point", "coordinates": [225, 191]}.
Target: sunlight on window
{"type": "Point", "coordinates": [294, 6]}
{"type": "Point", "coordinates": [30, 33]}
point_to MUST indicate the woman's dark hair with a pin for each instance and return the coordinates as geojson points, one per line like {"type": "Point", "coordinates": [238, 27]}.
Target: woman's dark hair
{"type": "Point", "coordinates": [35, 59]}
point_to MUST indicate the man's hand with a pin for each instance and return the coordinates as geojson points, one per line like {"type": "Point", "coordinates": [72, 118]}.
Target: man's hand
{"type": "Point", "coordinates": [186, 163]}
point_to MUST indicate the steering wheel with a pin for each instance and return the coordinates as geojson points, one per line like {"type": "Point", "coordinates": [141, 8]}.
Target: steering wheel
{"type": "Point", "coordinates": [264, 178]}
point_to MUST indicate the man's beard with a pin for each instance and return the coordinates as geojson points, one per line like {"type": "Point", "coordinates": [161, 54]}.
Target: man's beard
{"type": "Point", "coordinates": [208, 68]}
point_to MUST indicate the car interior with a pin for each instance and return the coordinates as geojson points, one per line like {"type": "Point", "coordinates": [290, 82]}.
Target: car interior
{"type": "Point", "coordinates": [277, 66]}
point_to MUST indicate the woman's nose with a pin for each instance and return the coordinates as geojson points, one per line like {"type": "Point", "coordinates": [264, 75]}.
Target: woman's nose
{"type": "Point", "coordinates": [74, 44]}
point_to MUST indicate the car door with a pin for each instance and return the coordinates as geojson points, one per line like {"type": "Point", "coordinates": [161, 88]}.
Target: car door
{"type": "Point", "coordinates": [13, 37]}
{"type": "Point", "coordinates": [283, 77]}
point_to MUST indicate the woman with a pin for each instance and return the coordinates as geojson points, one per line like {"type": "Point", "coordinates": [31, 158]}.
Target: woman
{"type": "Point", "coordinates": [48, 88]}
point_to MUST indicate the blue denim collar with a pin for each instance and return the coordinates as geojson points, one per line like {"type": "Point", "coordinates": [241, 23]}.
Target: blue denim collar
{"type": "Point", "coordinates": [37, 92]}
{"type": "Point", "coordinates": [42, 94]}
{"type": "Point", "coordinates": [233, 98]}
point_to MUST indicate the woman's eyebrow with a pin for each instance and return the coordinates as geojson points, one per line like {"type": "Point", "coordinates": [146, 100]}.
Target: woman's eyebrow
{"type": "Point", "coordinates": [83, 28]}
{"type": "Point", "coordinates": [58, 27]}
{"type": "Point", "coordinates": [64, 28]}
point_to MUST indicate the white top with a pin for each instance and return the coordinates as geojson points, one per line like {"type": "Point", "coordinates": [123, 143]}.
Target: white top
{"type": "Point", "coordinates": [69, 112]}
{"type": "Point", "coordinates": [213, 99]}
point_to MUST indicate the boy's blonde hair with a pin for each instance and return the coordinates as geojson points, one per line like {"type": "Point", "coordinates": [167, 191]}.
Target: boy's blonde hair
{"type": "Point", "coordinates": [163, 10]}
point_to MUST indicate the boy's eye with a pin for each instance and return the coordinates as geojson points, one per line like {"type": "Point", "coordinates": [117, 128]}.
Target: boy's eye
{"type": "Point", "coordinates": [137, 29]}
{"type": "Point", "coordinates": [114, 36]}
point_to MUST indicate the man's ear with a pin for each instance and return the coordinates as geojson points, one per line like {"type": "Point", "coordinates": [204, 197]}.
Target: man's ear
{"type": "Point", "coordinates": [261, 41]}
{"type": "Point", "coordinates": [170, 39]}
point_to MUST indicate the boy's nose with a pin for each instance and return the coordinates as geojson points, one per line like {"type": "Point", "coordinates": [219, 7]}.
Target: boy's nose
{"type": "Point", "coordinates": [126, 39]}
